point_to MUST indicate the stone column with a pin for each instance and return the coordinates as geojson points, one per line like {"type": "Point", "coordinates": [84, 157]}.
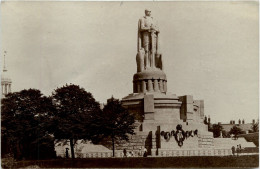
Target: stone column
{"type": "Point", "coordinates": [138, 83]}
{"type": "Point", "coordinates": [5, 88]}
{"type": "Point", "coordinates": [156, 87]}
{"type": "Point", "coordinates": [161, 85]}
{"type": "Point", "coordinates": [150, 85]}
{"type": "Point", "coordinates": [165, 86]}
{"type": "Point", "coordinates": [143, 86]}
{"type": "Point", "coordinates": [135, 87]}
{"type": "Point", "coordinates": [189, 108]}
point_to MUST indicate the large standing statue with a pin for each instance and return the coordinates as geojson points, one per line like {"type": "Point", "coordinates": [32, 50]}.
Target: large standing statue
{"type": "Point", "coordinates": [148, 55]}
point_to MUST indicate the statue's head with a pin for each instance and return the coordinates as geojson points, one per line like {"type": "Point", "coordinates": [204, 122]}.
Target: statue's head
{"type": "Point", "coordinates": [147, 12]}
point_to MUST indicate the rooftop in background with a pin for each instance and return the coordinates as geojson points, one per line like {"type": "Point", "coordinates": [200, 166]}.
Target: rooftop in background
{"type": "Point", "coordinates": [241, 124]}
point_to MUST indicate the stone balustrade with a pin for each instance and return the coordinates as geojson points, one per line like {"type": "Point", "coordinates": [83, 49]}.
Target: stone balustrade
{"type": "Point", "coordinates": [197, 152]}
{"type": "Point", "coordinates": [118, 154]}
{"type": "Point", "coordinates": [161, 153]}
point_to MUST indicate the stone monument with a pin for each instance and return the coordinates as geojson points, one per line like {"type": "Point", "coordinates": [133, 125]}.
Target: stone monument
{"type": "Point", "coordinates": [165, 122]}
{"type": "Point", "coordinates": [148, 48]}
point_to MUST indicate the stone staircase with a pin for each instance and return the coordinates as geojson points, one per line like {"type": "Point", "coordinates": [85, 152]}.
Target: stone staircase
{"type": "Point", "coordinates": [228, 143]}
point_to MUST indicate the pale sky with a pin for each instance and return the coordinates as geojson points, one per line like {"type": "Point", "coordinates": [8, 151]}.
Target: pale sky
{"type": "Point", "coordinates": [210, 49]}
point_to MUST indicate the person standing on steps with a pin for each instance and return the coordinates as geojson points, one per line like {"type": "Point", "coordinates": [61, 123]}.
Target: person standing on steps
{"type": "Point", "coordinates": [67, 152]}
{"type": "Point", "coordinates": [145, 152]}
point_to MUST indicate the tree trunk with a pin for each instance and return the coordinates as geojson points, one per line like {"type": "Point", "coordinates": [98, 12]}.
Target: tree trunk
{"type": "Point", "coordinates": [20, 151]}
{"type": "Point", "coordinates": [72, 148]}
{"type": "Point", "coordinates": [113, 144]}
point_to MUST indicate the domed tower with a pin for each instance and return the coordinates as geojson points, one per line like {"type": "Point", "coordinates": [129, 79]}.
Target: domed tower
{"type": "Point", "coordinates": [6, 81]}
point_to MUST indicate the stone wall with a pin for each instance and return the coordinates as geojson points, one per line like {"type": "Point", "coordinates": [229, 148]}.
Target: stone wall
{"type": "Point", "coordinates": [205, 141]}
{"type": "Point", "coordinates": [135, 142]}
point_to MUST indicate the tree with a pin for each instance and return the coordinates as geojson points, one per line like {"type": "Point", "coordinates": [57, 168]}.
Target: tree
{"type": "Point", "coordinates": [236, 131]}
{"type": "Point", "coordinates": [255, 127]}
{"type": "Point", "coordinates": [24, 118]}
{"type": "Point", "coordinates": [216, 129]}
{"type": "Point", "coordinates": [118, 123]}
{"type": "Point", "coordinates": [75, 109]}
{"type": "Point", "coordinates": [225, 134]}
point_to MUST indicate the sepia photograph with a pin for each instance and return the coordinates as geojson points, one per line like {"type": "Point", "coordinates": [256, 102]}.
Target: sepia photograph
{"type": "Point", "coordinates": [129, 84]}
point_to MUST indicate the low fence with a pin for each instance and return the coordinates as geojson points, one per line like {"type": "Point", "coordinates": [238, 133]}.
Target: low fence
{"type": "Point", "coordinates": [205, 152]}
{"type": "Point", "coordinates": [102, 154]}
{"type": "Point", "coordinates": [250, 150]}
{"type": "Point", "coordinates": [161, 153]}
{"type": "Point", "coordinates": [170, 153]}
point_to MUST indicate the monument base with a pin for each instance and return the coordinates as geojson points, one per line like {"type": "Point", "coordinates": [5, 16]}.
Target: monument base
{"type": "Point", "coordinates": [157, 116]}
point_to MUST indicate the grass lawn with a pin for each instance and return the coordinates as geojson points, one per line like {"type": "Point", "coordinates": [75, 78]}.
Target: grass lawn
{"type": "Point", "coordinates": [151, 162]}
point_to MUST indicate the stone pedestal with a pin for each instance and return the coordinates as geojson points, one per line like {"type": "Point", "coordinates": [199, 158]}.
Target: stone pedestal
{"type": "Point", "coordinates": [150, 80]}
{"type": "Point", "coordinates": [163, 111]}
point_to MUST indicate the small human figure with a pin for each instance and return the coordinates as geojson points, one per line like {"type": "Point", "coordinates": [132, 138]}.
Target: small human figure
{"type": "Point", "coordinates": [145, 152]}
{"type": "Point", "coordinates": [233, 150]}
{"type": "Point", "coordinates": [124, 151]}
{"type": "Point", "coordinates": [140, 152]}
{"type": "Point", "coordinates": [237, 149]}
{"type": "Point", "coordinates": [240, 148]}
{"type": "Point", "coordinates": [132, 154]}
{"type": "Point", "coordinates": [67, 152]}
{"type": "Point", "coordinates": [128, 154]}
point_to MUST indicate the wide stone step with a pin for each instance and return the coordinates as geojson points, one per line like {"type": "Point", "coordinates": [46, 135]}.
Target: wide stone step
{"type": "Point", "coordinates": [228, 143]}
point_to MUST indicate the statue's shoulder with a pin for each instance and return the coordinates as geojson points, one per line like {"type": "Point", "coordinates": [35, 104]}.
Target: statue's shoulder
{"type": "Point", "coordinates": [142, 18]}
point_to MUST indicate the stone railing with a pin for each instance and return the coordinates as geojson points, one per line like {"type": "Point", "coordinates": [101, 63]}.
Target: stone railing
{"type": "Point", "coordinates": [103, 154]}
{"type": "Point", "coordinates": [209, 152]}
{"type": "Point", "coordinates": [161, 153]}
{"type": "Point", "coordinates": [108, 154]}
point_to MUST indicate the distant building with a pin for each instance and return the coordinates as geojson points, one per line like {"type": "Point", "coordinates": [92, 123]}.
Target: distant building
{"type": "Point", "coordinates": [246, 127]}
{"type": "Point", "coordinates": [6, 81]}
